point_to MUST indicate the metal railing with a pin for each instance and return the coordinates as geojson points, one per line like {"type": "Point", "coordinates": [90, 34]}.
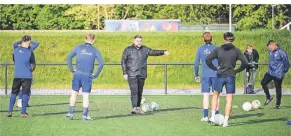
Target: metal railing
{"type": "Point", "coordinates": [109, 63]}
{"type": "Point", "coordinates": [287, 26]}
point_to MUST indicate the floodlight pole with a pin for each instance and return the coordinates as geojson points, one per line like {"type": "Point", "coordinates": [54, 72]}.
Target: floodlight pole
{"type": "Point", "coordinates": [273, 15]}
{"type": "Point", "coordinates": [98, 17]}
{"type": "Point", "coordinates": [229, 18]}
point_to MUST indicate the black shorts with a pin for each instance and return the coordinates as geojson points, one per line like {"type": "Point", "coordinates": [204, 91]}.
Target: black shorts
{"type": "Point", "coordinates": [25, 83]}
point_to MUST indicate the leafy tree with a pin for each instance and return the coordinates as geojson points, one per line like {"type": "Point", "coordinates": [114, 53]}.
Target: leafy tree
{"type": "Point", "coordinates": [53, 17]}
{"type": "Point", "coordinates": [257, 16]}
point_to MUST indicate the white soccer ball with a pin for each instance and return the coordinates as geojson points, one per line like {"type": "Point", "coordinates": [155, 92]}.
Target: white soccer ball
{"type": "Point", "coordinates": [19, 103]}
{"type": "Point", "coordinates": [256, 104]}
{"type": "Point", "coordinates": [218, 119]}
{"type": "Point", "coordinates": [154, 106]}
{"type": "Point", "coordinates": [247, 106]}
{"type": "Point", "coordinates": [146, 107]}
{"type": "Point", "coordinates": [142, 100]}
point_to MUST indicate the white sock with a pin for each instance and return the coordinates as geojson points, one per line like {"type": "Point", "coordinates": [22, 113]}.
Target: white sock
{"type": "Point", "coordinates": [226, 119]}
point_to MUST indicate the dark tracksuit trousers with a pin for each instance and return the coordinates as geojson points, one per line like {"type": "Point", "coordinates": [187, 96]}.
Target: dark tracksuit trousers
{"type": "Point", "coordinates": [278, 85]}
{"type": "Point", "coordinates": [136, 87]}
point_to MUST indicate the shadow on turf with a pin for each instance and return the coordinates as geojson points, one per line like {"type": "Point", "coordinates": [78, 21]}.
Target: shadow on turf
{"type": "Point", "coordinates": [51, 104]}
{"type": "Point", "coordinates": [285, 107]}
{"type": "Point", "coordinates": [257, 121]}
{"type": "Point", "coordinates": [122, 115]}
{"type": "Point", "coordinates": [145, 114]}
{"type": "Point", "coordinates": [56, 113]}
{"type": "Point", "coordinates": [175, 109]}
{"type": "Point", "coordinates": [7, 110]}
{"type": "Point", "coordinates": [247, 115]}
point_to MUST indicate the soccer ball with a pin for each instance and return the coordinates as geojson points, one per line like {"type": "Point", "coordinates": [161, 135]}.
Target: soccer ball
{"type": "Point", "coordinates": [19, 103]}
{"type": "Point", "coordinates": [146, 107]}
{"type": "Point", "coordinates": [142, 100]}
{"type": "Point", "coordinates": [218, 119]}
{"type": "Point", "coordinates": [247, 106]}
{"type": "Point", "coordinates": [256, 104]}
{"type": "Point", "coordinates": [154, 106]}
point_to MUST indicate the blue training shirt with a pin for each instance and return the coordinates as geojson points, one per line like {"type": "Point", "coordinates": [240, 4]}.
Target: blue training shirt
{"type": "Point", "coordinates": [32, 47]}
{"type": "Point", "coordinates": [201, 54]}
{"type": "Point", "coordinates": [24, 62]}
{"type": "Point", "coordinates": [86, 55]}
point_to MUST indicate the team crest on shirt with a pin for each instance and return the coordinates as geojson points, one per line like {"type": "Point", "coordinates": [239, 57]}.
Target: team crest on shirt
{"type": "Point", "coordinates": [276, 54]}
{"type": "Point", "coordinates": [20, 51]}
{"type": "Point", "coordinates": [84, 52]}
{"type": "Point", "coordinates": [206, 51]}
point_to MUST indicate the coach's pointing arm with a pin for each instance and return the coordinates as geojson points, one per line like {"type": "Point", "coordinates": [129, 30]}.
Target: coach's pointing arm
{"type": "Point", "coordinates": [210, 58]}
{"type": "Point", "coordinates": [157, 52]}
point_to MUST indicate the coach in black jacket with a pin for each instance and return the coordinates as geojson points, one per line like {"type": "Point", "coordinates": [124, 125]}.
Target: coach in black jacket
{"type": "Point", "coordinates": [134, 67]}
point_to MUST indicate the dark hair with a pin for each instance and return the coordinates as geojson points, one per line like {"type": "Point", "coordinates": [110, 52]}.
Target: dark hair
{"type": "Point", "coordinates": [137, 36]}
{"type": "Point", "coordinates": [207, 37]}
{"type": "Point", "coordinates": [228, 36]}
{"type": "Point", "coordinates": [269, 42]}
{"type": "Point", "coordinates": [26, 38]}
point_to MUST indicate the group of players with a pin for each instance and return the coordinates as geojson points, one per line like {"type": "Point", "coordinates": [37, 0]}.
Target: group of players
{"type": "Point", "coordinates": [218, 65]}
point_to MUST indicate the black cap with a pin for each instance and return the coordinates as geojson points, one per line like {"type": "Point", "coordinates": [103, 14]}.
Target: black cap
{"type": "Point", "coordinates": [228, 36]}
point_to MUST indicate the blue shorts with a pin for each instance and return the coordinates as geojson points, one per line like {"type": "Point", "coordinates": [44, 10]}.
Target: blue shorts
{"type": "Point", "coordinates": [83, 81]}
{"type": "Point", "coordinates": [228, 82]}
{"type": "Point", "coordinates": [207, 83]}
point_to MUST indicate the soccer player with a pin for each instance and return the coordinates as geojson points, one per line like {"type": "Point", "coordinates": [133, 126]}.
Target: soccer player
{"type": "Point", "coordinates": [227, 56]}
{"type": "Point", "coordinates": [252, 56]}
{"type": "Point", "coordinates": [32, 47]}
{"type": "Point", "coordinates": [278, 66]}
{"type": "Point", "coordinates": [208, 75]}
{"type": "Point", "coordinates": [83, 74]}
{"type": "Point", "coordinates": [24, 65]}
{"type": "Point", "coordinates": [134, 67]}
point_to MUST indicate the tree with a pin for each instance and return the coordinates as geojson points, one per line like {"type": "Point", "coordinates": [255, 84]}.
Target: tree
{"type": "Point", "coordinates": [257, 16]}
{"type": "Point", "coordinates": [18, 16]}
{"type": "Point", "coordinates": [53, 17]}
{"type": "Point", "coordinates": [89, 14]}
{"type": "Point", "coordinates": [246, 17]}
